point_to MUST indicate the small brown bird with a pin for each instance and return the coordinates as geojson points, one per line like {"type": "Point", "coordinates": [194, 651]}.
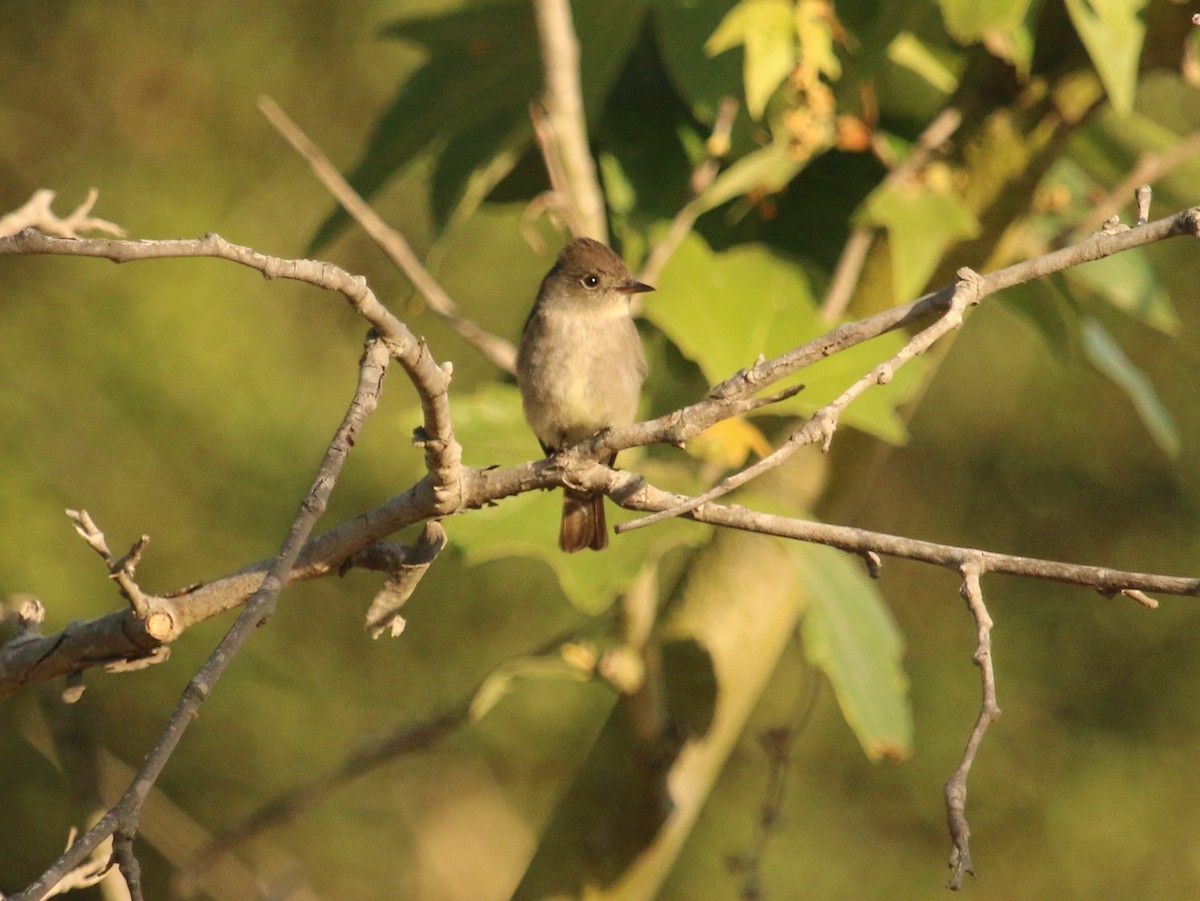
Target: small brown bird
{"type": "Point", "coordinates": [581, 368]}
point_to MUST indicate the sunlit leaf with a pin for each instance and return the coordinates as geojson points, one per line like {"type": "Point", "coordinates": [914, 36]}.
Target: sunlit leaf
{"type": "Point", "coordinates": [723, 310]}
{"type": "Point", "coordinates": [765, 29]}
{"type": "Point", "coordinates": [850, 634]}
{"type": "Point", "coordinates": [907, 50]}
{"type": "Point", "coordinates": [971, 20]}
{"type": "Point", "coordinates": [921, 224]}
{"type": "Point", "coordinates": [766, 170]}
{"type": "Point", "coordinates": [1112, 31]}
{"type": "Point", "coordinates": [815, 33]}
{"type": "Point", "coordinates": [1106, 355]}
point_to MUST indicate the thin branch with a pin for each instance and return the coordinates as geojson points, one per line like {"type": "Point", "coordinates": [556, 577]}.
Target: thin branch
{"type": "Point", "coordinates": [583, 203]}
{"type": "Point", "coordinates": [121, 821]}
{"type": "Point", "coordinates": [634, 493]}
{"type": "Point", "coordinates": [443, 457]}
{"type": "Point", "coordinates": [989, 712]}
{"type": "Point", "coordinates": [854, 253]}
{"type": "Point", "coordinates": [119, 636]}
{"type": "Point", "coordinates": [90, 872]}
{"type": "Point", "coordinates": [121, 571]}
{"type": "Point", "coordinates": [846, 274]}
{"type": "Point", "coordinates": [495, 349]}
{"type": "Point", "coordinates": [1150, 167]}
{"type": "Point", "coordinates": [404, 576]}
{"type": "Point", "coordinates": [824, 422]}
{"type": "Point", "coordinates": [702, 176]}
{"type": "Point", "coordinates": [554, 200]}
{"type": "Point", "coordinates": [36, 213]}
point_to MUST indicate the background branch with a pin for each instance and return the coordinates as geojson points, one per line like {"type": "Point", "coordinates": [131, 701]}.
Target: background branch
{"type": "Point", "coordinates": [498, 351]}
{"type": "Point", "coordinates": [567, 137]}
{"type": "Point", "coordinates": [119, 636]}
{"type": "Point", "coordinates": [121, 821]}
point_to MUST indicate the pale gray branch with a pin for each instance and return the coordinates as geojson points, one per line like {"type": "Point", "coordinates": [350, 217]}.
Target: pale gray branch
{"type": "Point", "coordinates": [118, 636]}
{"type": "Point", "coordinates": [956, 787]}
{"type": "Point", "coordinates": [121, 821]}
{"type": "Point", "coordinates": [583, 204]}
{"type": "Point", "coordinates": [37, 213]}
{"type": "Point", "coordinates": [500, 352]}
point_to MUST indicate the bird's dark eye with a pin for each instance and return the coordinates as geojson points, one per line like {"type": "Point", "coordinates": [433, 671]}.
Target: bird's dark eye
{"type": "Point", "coordinates": [590, 281]}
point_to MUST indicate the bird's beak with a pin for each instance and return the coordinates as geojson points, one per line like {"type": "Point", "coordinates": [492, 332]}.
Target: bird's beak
{"type": "Point", "coordinates": [635, 287]}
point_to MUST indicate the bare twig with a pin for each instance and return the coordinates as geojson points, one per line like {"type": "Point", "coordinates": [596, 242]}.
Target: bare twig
{"type": "Point", "coordinates": [498, 351]}
{"type": "Point", "coordinates": [1142, 196]}
{"type": "Point", "coordinates": [118, 636]}
{"type": "Point", "coordinates": [121, 821]}
{"type": "Point", "coordinates": [554, 200]}
{"type": "Point", "coordinates": [1149, 168]}
{"type": "Point", "coordinates": [36, 213]}
{"type": "Point", "coordinates": [854, 253]}
{"type": "Point", "coordinates": [956, 787]}
{"type": "Point", "coordinates": [89, 872]}
{"type": "Point", "coordinates": [702, 176]}
{"type": "Point", "coordinates": [823, 423]}
{"type": "Point", "coordinates": [405, 575]}
{"type": "Point", "coordinates": [583, 203]}
{"type": "Point", "coordinates": [122, 570]}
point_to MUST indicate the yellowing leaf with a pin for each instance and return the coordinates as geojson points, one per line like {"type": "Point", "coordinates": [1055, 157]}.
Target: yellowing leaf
{"type": "Point", "coordinates": [765, 29]}
{"type": "Point", "coordinates": [729, 443]}
{"type": "Point", "coordinates": [814, 31]}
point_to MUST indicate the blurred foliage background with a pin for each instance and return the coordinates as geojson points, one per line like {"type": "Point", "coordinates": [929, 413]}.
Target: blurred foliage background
{"type": "Point", "coordinates": [191, 401]}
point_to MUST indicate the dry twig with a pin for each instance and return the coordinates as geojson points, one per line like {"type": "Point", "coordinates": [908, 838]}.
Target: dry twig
{"type": "Point", "coordinates": [989, 712]}
{"type": "Point", "coordinates": [582, 201]}
{"type": "Point", "coordinates": [497, 350]}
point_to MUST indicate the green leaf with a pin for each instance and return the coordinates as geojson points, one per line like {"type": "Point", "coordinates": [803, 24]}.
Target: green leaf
{"type": "Point", "coordinates": [1106, 355]}
{"type": "Point", "coordinates": [1130, 283]}
{"type": "Point", "coordinates": [723, 310]}
{"type": "Point", "coordinates": [850, 635]}
{"type": "Point", "coordinates": [469, 101]}
{"type": "Point", "coordinates": [999, 24]}
{"type": "Point", "coordinates": [621, 194]}
{"type": "Point", "coordinates": [969, 21]}
{"type": "Point", "coordinates": [908, 51]}
{"type": "Point", "coordinates": [768, 170]}
{"type": "Point", "coordinates": [1113, 32]}
{"type": "Point", "coordinates": [681, 28]}
{"type": "Point", "coordinates": [921, 224]}
{"type": "Point", "coordinates": [766, 30]}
